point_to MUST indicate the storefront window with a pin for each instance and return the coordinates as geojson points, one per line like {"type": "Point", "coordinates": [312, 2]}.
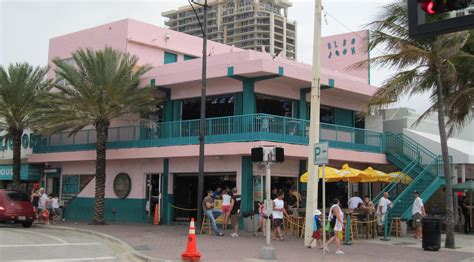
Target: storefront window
{"type": "Point", "coordinates": [216, 106]}
{"type": "Point", "coordinates": [274, 106]}
{"type": "Point", "coordinates": [327, 115]}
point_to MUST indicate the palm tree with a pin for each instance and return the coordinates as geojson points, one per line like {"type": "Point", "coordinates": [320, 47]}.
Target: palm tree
{"type": "Point", "coordinates": [427, 65]}
{"type": "Point", "coordinates": [21, 87]}
{"type": "Point", "coordinates": [100, 86]}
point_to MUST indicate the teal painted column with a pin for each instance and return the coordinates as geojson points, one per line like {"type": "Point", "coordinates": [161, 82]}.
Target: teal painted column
{"type": "Point", "coordinates": [247, 184]}
{"type": "Point", "coordinates": [303, 106]}
{"type": "Point", "coordinates": [166, 214]}
{"type": "Point", "coordinates": [168, 109]}
{"type": "Point", "coordinates": [249, 105]}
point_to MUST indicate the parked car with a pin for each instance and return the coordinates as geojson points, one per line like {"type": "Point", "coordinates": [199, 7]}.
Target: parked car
{"type": "Point", "coordinates": [16, 207]}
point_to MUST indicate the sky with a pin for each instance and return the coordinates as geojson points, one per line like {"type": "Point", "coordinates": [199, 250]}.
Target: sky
{"type": "Point", "coordinates": [27, 25]}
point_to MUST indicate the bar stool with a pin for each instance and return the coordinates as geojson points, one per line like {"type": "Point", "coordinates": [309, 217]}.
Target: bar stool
{"type": "Point", "coordinates": [206, 225]}
{"type": "Point", "coordinates": [395, 225]}
{"type": "Point", "coordinates": [354, 227]}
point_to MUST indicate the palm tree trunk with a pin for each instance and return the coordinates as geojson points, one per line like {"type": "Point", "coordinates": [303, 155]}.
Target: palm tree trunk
{"type": "Point", "coordinates": [16, 137]}
{"type": "Point", "coordinates": [100, 173]}
{"type": "Point", "coordinates": [446, 165]}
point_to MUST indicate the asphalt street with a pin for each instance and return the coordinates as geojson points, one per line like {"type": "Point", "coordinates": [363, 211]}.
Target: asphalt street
{"type": "Point", "coordinates": [48, 244]}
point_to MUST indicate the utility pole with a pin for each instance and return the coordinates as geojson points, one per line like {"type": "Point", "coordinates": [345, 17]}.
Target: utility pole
{"type": "Point", "coordinates": [202, 119]}
{"type": "Point", "coordinates": [313, 178]}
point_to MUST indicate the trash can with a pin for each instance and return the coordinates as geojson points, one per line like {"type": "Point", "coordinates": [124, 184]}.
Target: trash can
{"type": "Point", "coordinates": [403, 228]}
{"type": "Point", "coordinates": [431, 233]}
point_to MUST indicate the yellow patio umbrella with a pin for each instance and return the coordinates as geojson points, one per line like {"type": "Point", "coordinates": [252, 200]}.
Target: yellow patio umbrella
{"type": "Point", "coordinates": [399, 177]}
{"type": "Point", "coordinates": [332, 174]}
{"type": "Point", "coordinates": [374, 175]}
{"type": "Point", "coordinates": [353, 175]}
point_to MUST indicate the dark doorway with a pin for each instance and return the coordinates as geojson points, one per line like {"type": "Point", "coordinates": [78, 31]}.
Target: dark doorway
{"type": "Point", "coordinates": [185, 191]}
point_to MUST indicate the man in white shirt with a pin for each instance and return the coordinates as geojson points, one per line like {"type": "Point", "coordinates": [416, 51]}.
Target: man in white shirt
{"type": "Point", "coordinates": [418, 212]}
{"type": "Point", "coordinates": [354, 202]}
{"type": "Point", "coordinates": [277, 214]}
{"type": "Point", "coordinates": [42, 200]}
{"type": "Point", "coordinates": [384, 202]}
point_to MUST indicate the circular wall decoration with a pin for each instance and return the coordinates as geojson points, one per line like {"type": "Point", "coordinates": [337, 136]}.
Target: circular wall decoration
{"type": "Point", "coordinates": [122, 185]}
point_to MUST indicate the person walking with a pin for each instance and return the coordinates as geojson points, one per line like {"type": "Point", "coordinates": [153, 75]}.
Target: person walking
{"type": "Point", "coordinates": [57, 212]}
{"type": "Point", "coordinates": [278, 212]}
{"type": "Point", "coordinates": [383, 204]}
{"type": "Point", "coordinates": [317, 229]}
{"type": "Point", "coordinates": [211, 212]}
{"type": "Point", "coordinates": [261, 218]}
{"type": "Point", "coordinates": [226, 207]}
{"type": "Point", "coordinates": [235, 212]}
{"type": "Point", "coordinates": [43, 213]}
{"type": "Point", "coordinates": [336, 221]}
{"type": "Point", "coordinates": [466, 215]}
{"type": "Point", "coordinates": [418, 212]}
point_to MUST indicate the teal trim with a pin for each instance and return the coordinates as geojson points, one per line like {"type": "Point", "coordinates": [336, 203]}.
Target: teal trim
{"type": "Point", "coordinates": [189, 57]}
{"type": "Point", "coordinates": [249, 104]}
{"type": "Point", "coordinates": [126, 210]}
{"type": "Point", "coordinates": [27, 172]}
{"type": "Point", "coordinates": [230, 71]}
{"type": "Point", "coordinates": [281, 71]}
{"type": "Point", "coordinates": [166, 216]}
{"type": "Point", "coordinates": [303, 105]}
{"type": "Point", "coordinates": [238, 104]}
{"type": "Point", "coordinates": [331, 82]}
{"type": "Point", "coordinates": [247, 184]}
{"type": "Point", "coordinates": [152, 82]}
{"type": "Point", "coordinates": [170, 58]}
{"type": "Point", "coordinates": [239, 128]}
{"type": "Point", "coordinates": [177, 107]}
{"type": "Point", "coordinates": [343, 117]}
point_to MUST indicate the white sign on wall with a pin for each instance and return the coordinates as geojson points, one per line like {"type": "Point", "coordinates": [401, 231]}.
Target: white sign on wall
{"type": "Point", "coordinates": [6, 145]}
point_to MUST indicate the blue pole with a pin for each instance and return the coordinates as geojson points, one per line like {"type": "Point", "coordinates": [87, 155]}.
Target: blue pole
{"type": "Point", "coordinates": [347, 240]}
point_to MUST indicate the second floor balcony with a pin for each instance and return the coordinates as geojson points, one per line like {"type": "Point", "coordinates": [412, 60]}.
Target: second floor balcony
{"type": "Point", "coordinates": [240, 128]}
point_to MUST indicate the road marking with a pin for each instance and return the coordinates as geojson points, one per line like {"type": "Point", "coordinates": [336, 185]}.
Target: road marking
{"type": "Point", "coordinates": [45, 235]}
{"type": "Point", "coordinates": [51, 245]}
{"type": "Point", "coordinates": [65, 259]}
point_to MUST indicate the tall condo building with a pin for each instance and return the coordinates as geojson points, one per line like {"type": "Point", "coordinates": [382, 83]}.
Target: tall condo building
{"type": "Point", "coordinates": [248, 24]}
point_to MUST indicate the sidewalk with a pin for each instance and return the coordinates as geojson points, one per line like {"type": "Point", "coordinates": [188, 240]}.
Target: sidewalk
{"type": "Point", "coordinates": [168, 242]}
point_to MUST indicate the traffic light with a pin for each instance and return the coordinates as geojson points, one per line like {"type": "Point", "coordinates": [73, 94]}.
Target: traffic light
{"type": "Point", "coordinates": [433, 7]}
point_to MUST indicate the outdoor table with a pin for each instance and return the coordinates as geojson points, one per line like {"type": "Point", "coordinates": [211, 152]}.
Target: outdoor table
{"type": "Point", "coordinates": [368, 222]}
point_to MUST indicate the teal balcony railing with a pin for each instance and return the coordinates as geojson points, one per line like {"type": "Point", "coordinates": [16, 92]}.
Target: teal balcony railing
{"type": "Point", "coordinates": [241, 128]}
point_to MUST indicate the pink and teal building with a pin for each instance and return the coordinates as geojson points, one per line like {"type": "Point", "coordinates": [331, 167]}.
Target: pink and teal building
{"type": "Point", "coordinates": [253, 99]}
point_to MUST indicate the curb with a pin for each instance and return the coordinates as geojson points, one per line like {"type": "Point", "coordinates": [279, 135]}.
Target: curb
{"type": "Point", "coordinates": [131, 250]}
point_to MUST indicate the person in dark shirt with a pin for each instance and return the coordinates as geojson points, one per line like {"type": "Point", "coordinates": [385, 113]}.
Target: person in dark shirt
{"type": "Point", "coordinates": [235, 212]}
{"type": "Point", "coordinates": [465, 213]}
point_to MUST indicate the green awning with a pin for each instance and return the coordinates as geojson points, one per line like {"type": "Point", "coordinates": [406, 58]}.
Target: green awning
{"type": "Point", "coordinates": [466, 186]}
{"type": "Point", "coordinates": [27, 172]}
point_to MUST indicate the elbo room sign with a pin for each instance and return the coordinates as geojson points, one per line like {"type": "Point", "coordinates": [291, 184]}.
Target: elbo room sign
{"type": "Point", "coordinates": [340, 51]}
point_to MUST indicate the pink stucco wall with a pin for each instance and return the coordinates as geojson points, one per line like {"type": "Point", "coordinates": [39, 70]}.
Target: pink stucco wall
{"type": "Point", "coordinates": [136, 169]}
{"type": "Point", "coordinates": [214, 87]}
{"type": "Point", "coordinates": [222, 149]}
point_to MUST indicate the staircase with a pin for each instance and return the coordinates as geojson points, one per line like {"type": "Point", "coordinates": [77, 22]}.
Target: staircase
{"type": "Point", "coordinates": [420, 164]}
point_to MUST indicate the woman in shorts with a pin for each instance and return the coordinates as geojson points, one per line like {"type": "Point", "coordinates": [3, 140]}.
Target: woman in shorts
{"type": "Point", "coordinates": [226, 198]}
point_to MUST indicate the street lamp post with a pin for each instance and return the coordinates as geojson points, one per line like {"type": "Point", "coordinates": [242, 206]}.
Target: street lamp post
{"type": "Point", "coordinates": [313, 176]}
{"type": "Point", "coordinates": [202, 118]}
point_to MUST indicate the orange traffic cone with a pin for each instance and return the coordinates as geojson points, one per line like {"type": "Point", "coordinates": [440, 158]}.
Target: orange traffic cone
{"type": "Point", "coordinates": [157, 216]}
{"type": "Point", "coordinates": [191, 252]}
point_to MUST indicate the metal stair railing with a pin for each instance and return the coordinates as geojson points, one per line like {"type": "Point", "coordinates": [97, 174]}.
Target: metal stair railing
{"type": "Point", "coordinates": [393, 185]}
{"type": "Point", "coordinates": [411, 186]}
